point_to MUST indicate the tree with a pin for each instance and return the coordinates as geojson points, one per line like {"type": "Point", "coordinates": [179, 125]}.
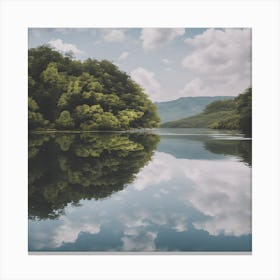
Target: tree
{"type": "Point", "coordinates": [244, 109]}
{"type": "Point", "coordinates": [65, 121]}
{"type": "Point", "coordinates": [126, 117]}
{"type": "Point", "coordinates": [35, 119]}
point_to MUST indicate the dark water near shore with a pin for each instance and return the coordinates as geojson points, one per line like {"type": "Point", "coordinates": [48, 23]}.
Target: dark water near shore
{"type": "Point", "coordinates": [181, 190]}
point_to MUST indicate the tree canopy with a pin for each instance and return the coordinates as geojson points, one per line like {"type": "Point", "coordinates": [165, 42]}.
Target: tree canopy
{"type": "Point", "coordinates": [91, 95]}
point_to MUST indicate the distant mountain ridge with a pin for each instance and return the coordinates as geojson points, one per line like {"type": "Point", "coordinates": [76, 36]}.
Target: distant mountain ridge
{"type": "Point", "coordinates": [233, 114]}
{"type": "Point", "coordinates": [185, 107]}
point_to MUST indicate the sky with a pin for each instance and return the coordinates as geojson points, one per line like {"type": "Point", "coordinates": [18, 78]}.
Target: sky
{"type": "Point", "coordinates": [168, 63]}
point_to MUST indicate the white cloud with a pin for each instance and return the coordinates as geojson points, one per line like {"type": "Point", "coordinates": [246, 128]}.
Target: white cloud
{"type": "Point", "coordinates": [65, 47]}
{"type": "Point", "coordinates": [180, 222]}
{"type": "Point", "coordinates": [137, 224]}
{"type": "Point", "coordinates": [154, 38]}
{"type": "Point", "coordinates": [166, 61]}
{"type": "Point", "coordinates": [114, 35]}
{"type": "Point", "coordinates": [224, 197]}
{"type": "Point", "coordinates": [140, 243]}
{"type": "Point", "coordinates": [151, 174]}
{"type": "Point", "coordinates": [123, 56]}
{"type": "Point", "coordinates": [220, 62]}
{"type": "Point", "coordinates": [148, 81]}
{"type": "Point", "coordinates": [69, 230]}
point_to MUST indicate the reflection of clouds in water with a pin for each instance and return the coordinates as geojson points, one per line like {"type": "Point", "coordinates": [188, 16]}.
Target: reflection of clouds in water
{"type": "Point", "coordinates": [134, 219]}
{"type": "Point", "coordinates": [41, 236]}
{"type": "Point", "coordinates": [137, 224]}
{"type": "Point", "coordinates": [179, 222]}
{"type": "Point", "coordinates": [136, 236]}
{"type": "Point", "coordinates": [154, 173]}
{"type": "Point", "coordinates": [69, 229]}
{"type": "Point", "coordinates": [220, 190]}
{"type": "Point", "coordinates": [52, 234]}
{"type": "Point", "coordinates": [225, 197]}
{"type": "Point", "coordinates": [139, 241]}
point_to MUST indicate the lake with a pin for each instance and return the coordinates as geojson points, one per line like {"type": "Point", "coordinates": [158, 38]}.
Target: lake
{"type": "Point", "coordinates": [162, 190]}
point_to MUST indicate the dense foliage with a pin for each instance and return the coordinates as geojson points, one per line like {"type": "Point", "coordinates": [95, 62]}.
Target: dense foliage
{"type": "Point", "coordinates": [68, 167]}
{"type": "Point", "coordinates": [92, 95]}
{"type": "Point", "coordinates": [222, 114]}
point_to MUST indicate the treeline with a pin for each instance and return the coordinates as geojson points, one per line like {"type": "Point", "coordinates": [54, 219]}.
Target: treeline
{"type": "Point", "coordinates": [233, 114]}
{"type": "Point", "coordinates": [68, 94]}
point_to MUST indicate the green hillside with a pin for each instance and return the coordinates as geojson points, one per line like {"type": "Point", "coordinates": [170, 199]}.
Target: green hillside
{"type": "Point", "coordinates": [223, 114]}
{"type": "Point", "coordinates": [185, 107]}
{"type": "Point", "coordinates": [67, 94]}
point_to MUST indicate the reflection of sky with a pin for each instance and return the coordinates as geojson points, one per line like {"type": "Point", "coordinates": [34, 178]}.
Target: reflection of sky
{"type": "Point", "coordinates": [220, 190]}
{"type": "Point", "coordinates": [173, 204]}
{"type": "Point", "coordinates": [186, 147]}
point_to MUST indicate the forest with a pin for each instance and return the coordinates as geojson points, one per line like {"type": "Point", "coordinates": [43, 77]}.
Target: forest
{"type": "Point", "coordinates": [234, 114]}
{"type": "Point", "coordinates": [68, 94]}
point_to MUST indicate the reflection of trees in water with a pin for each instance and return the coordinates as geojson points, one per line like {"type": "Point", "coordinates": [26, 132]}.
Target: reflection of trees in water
{"type": "Point", "coordinates": [239, 148]}
{"type": "Point", "coordinates": [66, 168]}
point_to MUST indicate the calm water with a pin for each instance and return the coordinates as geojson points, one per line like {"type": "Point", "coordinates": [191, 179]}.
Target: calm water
{"type": "Point", "coordinates": [162, 190]}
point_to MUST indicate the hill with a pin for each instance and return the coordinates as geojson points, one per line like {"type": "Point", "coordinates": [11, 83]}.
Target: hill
{"type": "Point", "coordinates": [185, 107]}
{"type": "Point", "coordinates": [222, 114]}
{"type": "Point", "coordinates": [69, 94]}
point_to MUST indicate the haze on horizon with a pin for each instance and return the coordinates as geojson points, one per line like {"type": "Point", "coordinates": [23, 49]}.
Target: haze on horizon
{"type": "Point", "coordinates": [168, 63]}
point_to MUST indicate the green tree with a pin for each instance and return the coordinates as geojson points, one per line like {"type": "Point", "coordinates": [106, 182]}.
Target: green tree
{"type": "Point", "coordinates": [65, 121]}
{"type": "Point", "coordinates": [244, 109]}
{"type": "Point", "coordinates": [35, 119]}
{"type": "Point", "coordinates": [126, 117]}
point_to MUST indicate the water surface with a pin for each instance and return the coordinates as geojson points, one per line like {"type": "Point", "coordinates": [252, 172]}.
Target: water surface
{"type": "Point", "coordinates": [165, 190]}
